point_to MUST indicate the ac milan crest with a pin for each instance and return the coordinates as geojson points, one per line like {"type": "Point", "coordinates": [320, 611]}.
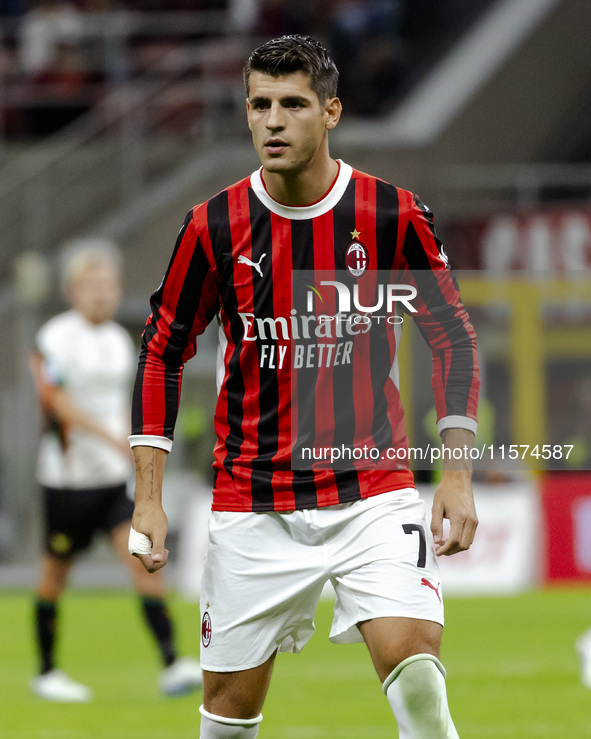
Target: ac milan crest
{"type": "Point", "coordinates": [356, 259]}
{"type": "Point", "coordinates": [206, 629]}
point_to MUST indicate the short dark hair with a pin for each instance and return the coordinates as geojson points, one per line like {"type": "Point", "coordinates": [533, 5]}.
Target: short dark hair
{"type": "Point", "coordinates": [295, 53]}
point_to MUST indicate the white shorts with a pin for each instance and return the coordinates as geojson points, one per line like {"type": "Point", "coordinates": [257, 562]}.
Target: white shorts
{"type": "Point", "coordinates": [264, 573]}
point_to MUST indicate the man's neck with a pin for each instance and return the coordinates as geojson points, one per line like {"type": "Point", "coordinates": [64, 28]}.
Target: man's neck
{"type": "Point", "coordinates": [303, 188]}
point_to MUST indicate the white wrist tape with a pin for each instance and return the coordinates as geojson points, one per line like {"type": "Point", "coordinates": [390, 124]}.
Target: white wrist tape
{"type": "Point", "coordinates": [138, 543]}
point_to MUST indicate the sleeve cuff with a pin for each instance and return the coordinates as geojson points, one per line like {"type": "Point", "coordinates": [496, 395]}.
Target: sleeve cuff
{"type": "Point", "coordinates": [457, 422]}
{"type": "Point", "coordinates": [159, 442]}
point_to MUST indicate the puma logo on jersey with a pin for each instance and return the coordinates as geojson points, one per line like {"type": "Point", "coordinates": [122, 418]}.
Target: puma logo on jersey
{"type": "Point", "coordinates": [257, 265]}
{"type": "Point", "coordinates": [426, 582]}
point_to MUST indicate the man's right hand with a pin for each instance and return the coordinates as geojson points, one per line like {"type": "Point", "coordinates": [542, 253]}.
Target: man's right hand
{"type": "Point", "coordinates": [154, 525]}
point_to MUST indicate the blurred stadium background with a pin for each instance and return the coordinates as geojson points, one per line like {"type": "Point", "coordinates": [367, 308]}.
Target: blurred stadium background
{"type": "Point", "coordinates": [117, 116]}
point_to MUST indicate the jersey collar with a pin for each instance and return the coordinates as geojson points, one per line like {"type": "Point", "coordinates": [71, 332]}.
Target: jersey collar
{"type": "Point", "coordinates": [302, 212]}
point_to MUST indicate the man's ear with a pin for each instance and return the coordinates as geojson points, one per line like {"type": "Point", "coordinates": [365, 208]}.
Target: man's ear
{"type": "Point", "coordinates": [332, 110]}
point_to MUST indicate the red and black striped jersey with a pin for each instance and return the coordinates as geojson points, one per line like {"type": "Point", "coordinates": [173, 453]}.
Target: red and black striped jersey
{"type": "Point", "coordinates": [236, 255]}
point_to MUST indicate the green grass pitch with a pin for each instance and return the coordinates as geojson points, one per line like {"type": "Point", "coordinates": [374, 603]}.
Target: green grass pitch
{"type": "Point", "coordinates": [512, 673]}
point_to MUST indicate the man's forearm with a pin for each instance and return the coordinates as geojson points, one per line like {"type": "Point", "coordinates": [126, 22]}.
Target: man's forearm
{"type": "Point", "coordinates": [454, 439]}
{"type": "Point", "coordinates": [149, 473]}
{"type": "Point", "coordinates": [68, 412]}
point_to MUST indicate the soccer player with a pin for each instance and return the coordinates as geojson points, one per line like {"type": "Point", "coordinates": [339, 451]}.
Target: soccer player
{"type": "Point", "coordinates": [279, 531]}
{"type": "Point", "coordinates": [83, 369]}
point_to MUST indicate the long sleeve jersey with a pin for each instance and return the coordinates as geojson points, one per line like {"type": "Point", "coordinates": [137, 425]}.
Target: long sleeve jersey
{"type": "Point", "coordinates": [297, 370]}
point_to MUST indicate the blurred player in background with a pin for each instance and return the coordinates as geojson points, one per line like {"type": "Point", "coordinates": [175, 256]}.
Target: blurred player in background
{"type": "Point", "coordinates": [83, 368]}
{"type": "Point", "coordinates": [278, 534]}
